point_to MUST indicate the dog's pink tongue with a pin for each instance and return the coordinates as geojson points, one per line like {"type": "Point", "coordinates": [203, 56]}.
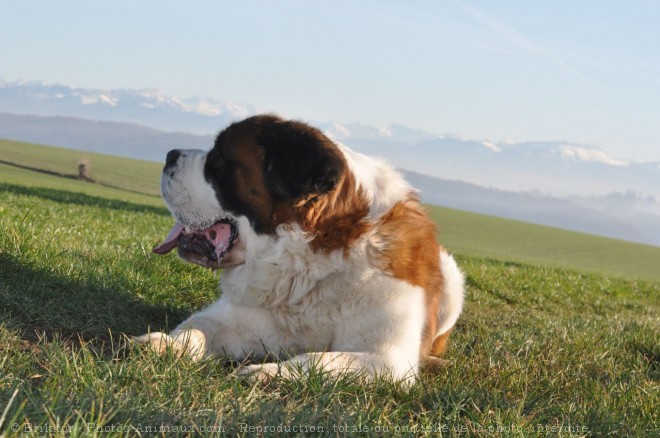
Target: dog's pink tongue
{"type": "Point", "coordinates": [220, 237]}
{"type": "Point", "coordinates": [170, 241]}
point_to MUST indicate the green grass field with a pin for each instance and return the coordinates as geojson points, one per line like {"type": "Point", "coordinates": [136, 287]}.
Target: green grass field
{"type": "Point", "coordinates": [504, 239]}
{"type": "Point", "coordinates": [464, 233]}
{"type": "Point", "coordinates": [130, 175]}
{"type": "Point", "coordinates": [540, 350]}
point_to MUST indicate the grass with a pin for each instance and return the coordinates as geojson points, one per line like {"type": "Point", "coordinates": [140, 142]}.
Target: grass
{"type": "Point", "coordinates": [60, 188]}
{"type": "Point", "coordinates": [508, 240]}
{"type": "Point", "coordinates": [539, 350]}
{"type": "Point", "coordinates": [127, 174]}
{"type": "Point", "coordinates": [469, 234]}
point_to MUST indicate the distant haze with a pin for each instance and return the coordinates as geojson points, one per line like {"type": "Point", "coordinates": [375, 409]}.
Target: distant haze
{"type": "Point", "coordinates": [555, 167]}
{"type": "Point", "coordinates": [558, 183]}
{"type": "Point", "coordinates": [582, 72]}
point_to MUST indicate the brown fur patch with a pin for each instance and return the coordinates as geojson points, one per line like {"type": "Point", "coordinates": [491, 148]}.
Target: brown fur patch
{"type": "Point", "coordinates": [235, 166]}
{"type": "Point", "coordinates": [440, 343]}
{"type": "Point", "coordinates": [249, 183]}
{"type": "Point", "coordinates": [335, 219]}
{"type": "Point", "coordinates": [411, 253]}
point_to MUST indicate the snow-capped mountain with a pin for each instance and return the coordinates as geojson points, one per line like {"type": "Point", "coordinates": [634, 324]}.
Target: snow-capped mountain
{"type": "Point", "coordinates": [393, 132]}
{"type": "Point", "coordinates": [555, 167]}
{"type": "Point", "coordinates": [558, 168]}
{"type": "Point", "coordinates": [150, 107]}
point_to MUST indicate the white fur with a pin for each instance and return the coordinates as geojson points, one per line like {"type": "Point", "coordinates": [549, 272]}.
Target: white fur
{"type": "Point", "coordinates": [189, 196]}
{"type": "Point", "coordinates": [338, 311]}
{"type": "Point", "coordinates": [287, 300]}
{"type": "Point", "coordinates": [381, 183]}
{"type": "Point", "coordinates": [452, 294]}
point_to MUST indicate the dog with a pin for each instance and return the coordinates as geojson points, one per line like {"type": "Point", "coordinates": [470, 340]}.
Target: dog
{"type": "Point", "coordinates": [328, 259]}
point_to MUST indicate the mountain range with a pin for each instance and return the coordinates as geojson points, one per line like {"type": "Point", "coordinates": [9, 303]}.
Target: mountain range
{"type": "Point", "coordinates": [147, 107]}
{"type": "Point", "coordinates": [556, 183]}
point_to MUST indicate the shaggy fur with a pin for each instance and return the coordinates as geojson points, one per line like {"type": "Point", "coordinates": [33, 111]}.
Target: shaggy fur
{"type": "Point", "coordinates": [332, 261]}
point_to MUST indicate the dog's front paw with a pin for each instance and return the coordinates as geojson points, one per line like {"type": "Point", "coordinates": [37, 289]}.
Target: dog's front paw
{"type": "Point", "coordinates": [262, 373]}
{"type": "Point", "coordinates": [190, 343]}
{"type": "Point", "coordinates": [157, 341]}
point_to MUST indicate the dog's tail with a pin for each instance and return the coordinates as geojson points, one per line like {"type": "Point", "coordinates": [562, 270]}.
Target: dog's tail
{"type": "Point", "coordinates": [452, 301]}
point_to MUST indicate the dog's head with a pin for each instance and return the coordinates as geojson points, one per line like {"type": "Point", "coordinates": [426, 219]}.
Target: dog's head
{"type": "Point", "coordinates": [261, 173]}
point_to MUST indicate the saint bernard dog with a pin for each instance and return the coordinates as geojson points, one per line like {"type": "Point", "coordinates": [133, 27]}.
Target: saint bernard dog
{"type": "Point", "coordinates": [328, 259]}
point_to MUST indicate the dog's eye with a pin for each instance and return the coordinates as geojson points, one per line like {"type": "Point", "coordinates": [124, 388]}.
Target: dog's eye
{"type": "Point", "coordinates": [223, 161]}
{"type": "Point", "coordinates": [219, 160]}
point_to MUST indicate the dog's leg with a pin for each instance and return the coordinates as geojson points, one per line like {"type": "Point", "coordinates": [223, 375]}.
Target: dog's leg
{"type": "Point", "coordinates": [334, 364]}
{"type": "Point", "coordinates": [190, 342]}
{"type": "Point", "coordinates": [382, 342]}
{"type": "Point", "coordinates": [221, 329]}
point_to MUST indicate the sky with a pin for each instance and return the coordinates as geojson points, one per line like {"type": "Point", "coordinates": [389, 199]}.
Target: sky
{"type": "Point", "coordinates": [584, 71]}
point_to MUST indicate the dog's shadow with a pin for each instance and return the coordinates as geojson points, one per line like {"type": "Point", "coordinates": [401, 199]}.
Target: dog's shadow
{"type": "Point", "coordinates": [36, 301]}
{"type": "Point", "coordinates": [77, 198]}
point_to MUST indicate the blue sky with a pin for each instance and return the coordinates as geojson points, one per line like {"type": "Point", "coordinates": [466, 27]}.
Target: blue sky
{"type": "Point", "coordinates": [584, 71]}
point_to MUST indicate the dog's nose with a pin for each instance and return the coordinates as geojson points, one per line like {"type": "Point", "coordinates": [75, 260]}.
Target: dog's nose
{"type": "Point", "coordinates": [171, 158]}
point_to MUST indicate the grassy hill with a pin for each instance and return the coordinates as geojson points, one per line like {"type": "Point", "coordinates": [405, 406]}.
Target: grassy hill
{"type": "Point", "coordinates": [504, 239]}
{"type": "Point", "coordinates": [539, 350]}
{"type": "Point", "coordinates": [461, 232]}
{"type": "Point", "coordinates": [127, 174]}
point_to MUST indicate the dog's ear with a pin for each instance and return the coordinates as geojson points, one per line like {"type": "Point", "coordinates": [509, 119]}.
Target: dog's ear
{"type": "Point", "coordinates": [299, 160]}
